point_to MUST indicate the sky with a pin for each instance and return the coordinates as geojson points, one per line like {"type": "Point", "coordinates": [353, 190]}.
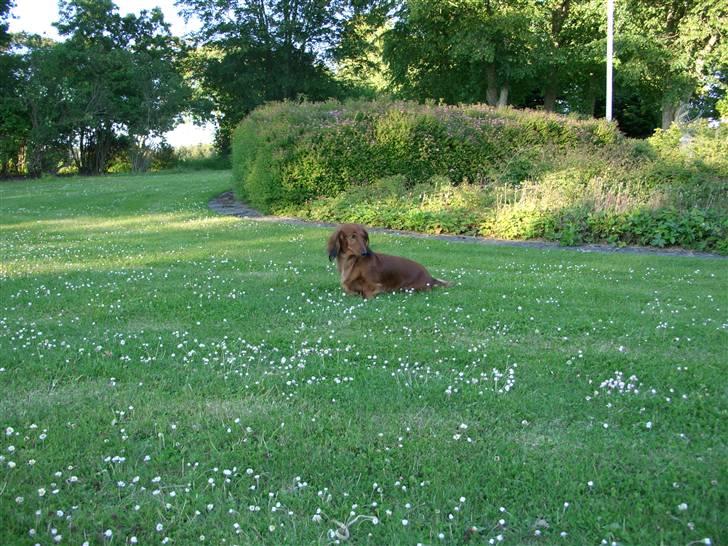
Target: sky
{"type": "Point", "coordinates": [38, 16]}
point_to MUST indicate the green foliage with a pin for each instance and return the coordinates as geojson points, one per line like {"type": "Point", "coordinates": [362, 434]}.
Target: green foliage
{"type": "Point", "coordinates": [498, 173]}
{"type": "Point", "coordinates": [115, 81]}
{"type": "Point", "coordinates": [274, 50]}
{"type": "Point", "coordinates": [5, 7]}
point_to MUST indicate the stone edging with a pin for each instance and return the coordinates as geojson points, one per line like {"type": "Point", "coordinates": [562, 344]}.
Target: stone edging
{"type": "Point", "coordinates": [226, 204]}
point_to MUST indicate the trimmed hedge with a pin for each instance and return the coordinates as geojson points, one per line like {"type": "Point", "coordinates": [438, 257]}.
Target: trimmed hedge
{"type": "Point", "coordinates": [504, 173]}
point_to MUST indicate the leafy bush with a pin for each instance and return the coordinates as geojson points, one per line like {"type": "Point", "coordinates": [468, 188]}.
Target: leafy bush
{"type": "Point", "coordinates": [476, 170]}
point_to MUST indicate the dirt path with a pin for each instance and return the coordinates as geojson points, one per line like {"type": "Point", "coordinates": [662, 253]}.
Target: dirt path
{"type": "Point", "coordinates": [227, 205]}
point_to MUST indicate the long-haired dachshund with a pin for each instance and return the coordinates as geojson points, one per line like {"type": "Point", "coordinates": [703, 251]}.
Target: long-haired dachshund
{"type": "Point", "coordinates": [367, 273]}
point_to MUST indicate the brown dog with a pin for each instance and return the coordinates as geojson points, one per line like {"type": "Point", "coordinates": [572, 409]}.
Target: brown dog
{"type": "Point", "coordinates": [365, 273]}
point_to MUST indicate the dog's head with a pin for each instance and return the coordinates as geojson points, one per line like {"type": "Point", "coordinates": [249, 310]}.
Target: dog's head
{"type": "Point", "coordinates": [349, 240]}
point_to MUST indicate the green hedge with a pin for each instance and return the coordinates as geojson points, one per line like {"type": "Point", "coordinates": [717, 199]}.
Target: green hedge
{"type": "Point", "coordinates": [503, 173]}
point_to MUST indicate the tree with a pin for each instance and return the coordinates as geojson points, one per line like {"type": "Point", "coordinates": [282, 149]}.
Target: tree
{"type": "Point", "coordinates": [675, 49]}
{"type": "Point", "coordinates": [156, 92]}
{"type": "Point", "coordinates": [464, 50]}
{"type": "Point", "coordinates": [252, 51]}
{"type": "Point", "coordinates": [96, 68]}
{"type": "Point", "coordinates": [359, 53]}
{"type": "Point", "coordinates": [13, 119]}
{"type": "Point", "coordinates": [42, 86]}
{"type": "Point", "coordinates": [569, 55]}
{"type": "Point", "coordinates": [5, 7]}
{"type": "Point", "coordinates": [123, 82]}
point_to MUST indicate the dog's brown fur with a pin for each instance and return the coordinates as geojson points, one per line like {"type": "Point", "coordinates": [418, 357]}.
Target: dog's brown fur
{"type": "Point", "coordinates": [367, 273]}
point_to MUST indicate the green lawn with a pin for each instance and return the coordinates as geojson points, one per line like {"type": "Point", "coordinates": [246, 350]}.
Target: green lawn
{"type": "Point", "coordinates": [171, 375]}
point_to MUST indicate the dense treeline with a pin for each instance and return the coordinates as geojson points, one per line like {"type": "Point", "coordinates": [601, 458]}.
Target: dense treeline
{"type": "Point", "coordinates": [103, 96]}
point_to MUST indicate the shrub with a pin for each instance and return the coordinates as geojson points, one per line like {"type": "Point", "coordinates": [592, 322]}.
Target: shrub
{"type": "Point", "coordinates": [477, 170]}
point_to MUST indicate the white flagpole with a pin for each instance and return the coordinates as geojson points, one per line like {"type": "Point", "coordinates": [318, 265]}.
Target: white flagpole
{"type": "Point", "coordinates": [610, 51]}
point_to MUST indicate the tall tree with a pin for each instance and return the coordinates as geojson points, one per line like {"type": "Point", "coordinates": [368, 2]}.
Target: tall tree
{"type": "Point", "coordinates": [156, 93]}
{"type": "Point", "coordinates": [674, 49]}
{"type": "Point", "coordinates": [13, 118]}
{"type": "Point", "coordinates": [95, 72]}
{"type": "Point", "coordinates": [123, 78]}
{"type": "Point", "coordinates": [569, 35]}
{"type": "Point", "coordinates": [463, 50]}
{"type": "Point", "coordinates": [252, 51]}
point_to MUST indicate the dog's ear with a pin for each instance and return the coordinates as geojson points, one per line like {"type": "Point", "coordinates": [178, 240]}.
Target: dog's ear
{"type": "Point", "coordinates": [334, 245]}
{"type": "Point", "coordinates": [366, 239]}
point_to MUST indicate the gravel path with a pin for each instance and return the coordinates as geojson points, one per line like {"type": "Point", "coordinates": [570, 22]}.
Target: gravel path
{"type": "Point", "coordinates": [227, 205]}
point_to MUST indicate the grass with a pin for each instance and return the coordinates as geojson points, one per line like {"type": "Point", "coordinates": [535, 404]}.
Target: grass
{"type": "Point", "coordinates": [171, 375]}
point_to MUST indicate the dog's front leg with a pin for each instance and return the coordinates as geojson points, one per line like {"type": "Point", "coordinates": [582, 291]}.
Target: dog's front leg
{"type": "Point", "coordinates": [371, 290]}
{"type": "Point", "coordinates": [349, 290]}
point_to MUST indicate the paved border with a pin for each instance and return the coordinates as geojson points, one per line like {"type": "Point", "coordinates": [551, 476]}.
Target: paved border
{"type": "Point", "coordinates": [226, 204]}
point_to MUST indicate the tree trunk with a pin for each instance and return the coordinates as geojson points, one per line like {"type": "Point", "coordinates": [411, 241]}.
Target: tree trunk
{"type": "Point", "coordinates": [491, 91]}
{"type": "Point", "coordinates": [669, 109]}
{"type": "Point", "coordinates": [503, 98]}
{"type": "Point", "coordinates": [139, 155]}
{"type": "Point", "coordinates": [673, 111]}
{"type": "Point", "coordinates": [549, 98]}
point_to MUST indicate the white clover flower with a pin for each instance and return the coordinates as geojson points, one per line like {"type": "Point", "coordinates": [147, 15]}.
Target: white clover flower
{"type": "Point", "coordinates": [159, 527]}
{"type": "Point", "coordinates": [405, 522]}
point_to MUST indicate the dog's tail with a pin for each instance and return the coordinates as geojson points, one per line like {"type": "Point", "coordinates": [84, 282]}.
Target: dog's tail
{"type": "Point", "coordinates": [440, 282]}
